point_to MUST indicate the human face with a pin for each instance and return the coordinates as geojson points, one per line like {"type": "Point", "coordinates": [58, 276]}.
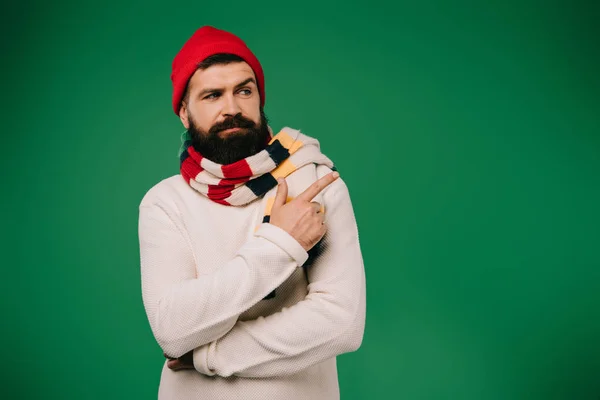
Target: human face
{"type": "Point", "coordinates": [221, 92]}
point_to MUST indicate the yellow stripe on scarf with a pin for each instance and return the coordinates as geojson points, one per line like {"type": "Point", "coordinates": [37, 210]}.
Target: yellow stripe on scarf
{"type": "Point", "coordinates": [284, 169]}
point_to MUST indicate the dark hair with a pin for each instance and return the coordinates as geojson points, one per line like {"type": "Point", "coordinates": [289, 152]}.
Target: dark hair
{"type": "Point", "coordinates": [215, 59]}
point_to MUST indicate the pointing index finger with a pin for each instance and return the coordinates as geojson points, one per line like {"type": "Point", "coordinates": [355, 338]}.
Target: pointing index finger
{"type": "Point", "coordinates": [318, 186]}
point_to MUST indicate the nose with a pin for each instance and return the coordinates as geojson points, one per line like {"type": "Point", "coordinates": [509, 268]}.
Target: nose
{"type": "Point", "coordinates": [230, 107]}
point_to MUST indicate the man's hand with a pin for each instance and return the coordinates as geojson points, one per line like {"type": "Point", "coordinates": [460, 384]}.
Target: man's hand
{"type": "Point", "coordinates": [186, 361]}
{"type": "Point", "coordinates": [301, 218]}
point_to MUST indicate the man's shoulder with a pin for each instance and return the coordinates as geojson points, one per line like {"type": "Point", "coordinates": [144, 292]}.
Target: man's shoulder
{"type": "Point", "coordinates": [323, 170]}
{"type": "Point", "coordinates": [337, 188]}
{"type": "Point", "coordinates": [165, 190]}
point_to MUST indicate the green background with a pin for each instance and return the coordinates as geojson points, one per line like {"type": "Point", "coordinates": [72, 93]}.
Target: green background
{"type": "Point", "coordinates": [467, 132]}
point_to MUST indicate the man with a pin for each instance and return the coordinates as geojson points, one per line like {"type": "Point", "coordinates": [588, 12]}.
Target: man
{"type": "Point", "coordinates": [252, 274]}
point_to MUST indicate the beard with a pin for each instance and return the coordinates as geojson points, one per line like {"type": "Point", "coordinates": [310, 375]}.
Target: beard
{"type": "Point", "coordinates": [251, 139]}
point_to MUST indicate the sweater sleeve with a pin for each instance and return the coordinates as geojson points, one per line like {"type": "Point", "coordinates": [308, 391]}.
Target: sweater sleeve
{"type": "Point", "coordinates": [185, 310]}
{"type": "Point", "coordinates": [328, 322]}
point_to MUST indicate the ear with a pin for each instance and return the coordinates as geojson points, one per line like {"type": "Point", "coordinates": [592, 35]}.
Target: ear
{"type": "Point", "coordinates": [183, 115]}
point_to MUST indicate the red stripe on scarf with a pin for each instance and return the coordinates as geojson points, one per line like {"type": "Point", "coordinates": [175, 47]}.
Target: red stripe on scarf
{"type": "Point", "coordinates": [227, 182]}
{"type": "Point", "coordinates": [239, 169]}
{"type": "Point", "coordinates": [189, 169]}
{"type": "Point", "coordinates": [219, 192]}
{"type": "Point", "coordinates": [195, 155]}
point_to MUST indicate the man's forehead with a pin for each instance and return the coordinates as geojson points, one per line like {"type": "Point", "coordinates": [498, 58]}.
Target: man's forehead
{"type": "Point", "coordinates": [222, 75]}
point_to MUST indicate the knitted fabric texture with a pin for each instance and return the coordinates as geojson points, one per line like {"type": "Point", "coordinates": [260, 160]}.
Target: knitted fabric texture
{"type": "Point", "coordinates": [248, 179]}
{"type": "Point", "coordinates": [204, 273]}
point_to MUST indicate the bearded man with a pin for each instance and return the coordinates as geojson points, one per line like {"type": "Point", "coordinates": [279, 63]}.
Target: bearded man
{"type": "Point", "coordinates": [252, 274]}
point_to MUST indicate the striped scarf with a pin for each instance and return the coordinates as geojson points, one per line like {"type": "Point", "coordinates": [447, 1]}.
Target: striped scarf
{"type": "Point", "coordinates": [248, 179]}
{"type": "Point", "coordinates": [290, 154]}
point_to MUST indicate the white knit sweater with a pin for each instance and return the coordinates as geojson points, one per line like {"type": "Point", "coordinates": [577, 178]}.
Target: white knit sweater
{"type": "Point", "coordinates": [205, 273]}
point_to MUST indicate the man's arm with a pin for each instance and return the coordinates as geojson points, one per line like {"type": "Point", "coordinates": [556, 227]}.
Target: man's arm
{"type": "Point", "coordinates": [328, 322]}
{"type": "Point", "coordinates": [186, 311]}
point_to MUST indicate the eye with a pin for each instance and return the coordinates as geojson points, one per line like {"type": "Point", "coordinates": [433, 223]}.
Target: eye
{"type": "Point", "coordinates": [213, 95]}
{"type": "Point", "coordinates": [246, 92]}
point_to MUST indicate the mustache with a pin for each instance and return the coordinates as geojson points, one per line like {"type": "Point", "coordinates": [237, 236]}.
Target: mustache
{"type": "Point", "coordinates": [237, 121]}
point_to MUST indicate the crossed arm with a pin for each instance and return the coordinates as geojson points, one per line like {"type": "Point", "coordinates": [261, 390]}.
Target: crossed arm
{"type": "Point", "coordinates": [200, 313]}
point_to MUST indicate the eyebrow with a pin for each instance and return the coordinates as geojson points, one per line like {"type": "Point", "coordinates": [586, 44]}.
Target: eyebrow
{"type": "Point", "coordinates": [211, 90]}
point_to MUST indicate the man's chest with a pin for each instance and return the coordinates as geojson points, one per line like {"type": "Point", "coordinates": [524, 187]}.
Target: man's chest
{"type": "Point", "coordinates": [216, 237]}
{"type": "Point", "coordinates": [216, 232]}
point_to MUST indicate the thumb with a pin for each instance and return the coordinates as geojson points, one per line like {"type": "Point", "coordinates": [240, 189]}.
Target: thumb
{"type": "Point", "coordinates": [282, 192]}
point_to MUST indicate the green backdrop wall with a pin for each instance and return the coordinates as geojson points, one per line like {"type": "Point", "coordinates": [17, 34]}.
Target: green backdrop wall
{"type": "Point", "coordinates": [468, 133]}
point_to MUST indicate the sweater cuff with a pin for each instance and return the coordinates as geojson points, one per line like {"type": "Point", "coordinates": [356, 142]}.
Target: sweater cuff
{"type": "Point", "coordinates": [201, 360]}
{"type": "Point", "coordinates": [284, 240]}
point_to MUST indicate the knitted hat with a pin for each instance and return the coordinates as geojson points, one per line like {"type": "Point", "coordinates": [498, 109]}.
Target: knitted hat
{"type": "Point", "coordinates": [204, 43]}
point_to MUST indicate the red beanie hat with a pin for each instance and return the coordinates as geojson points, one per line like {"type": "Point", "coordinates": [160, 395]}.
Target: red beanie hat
{"type": "Point", "coordinates": [204, 43]}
